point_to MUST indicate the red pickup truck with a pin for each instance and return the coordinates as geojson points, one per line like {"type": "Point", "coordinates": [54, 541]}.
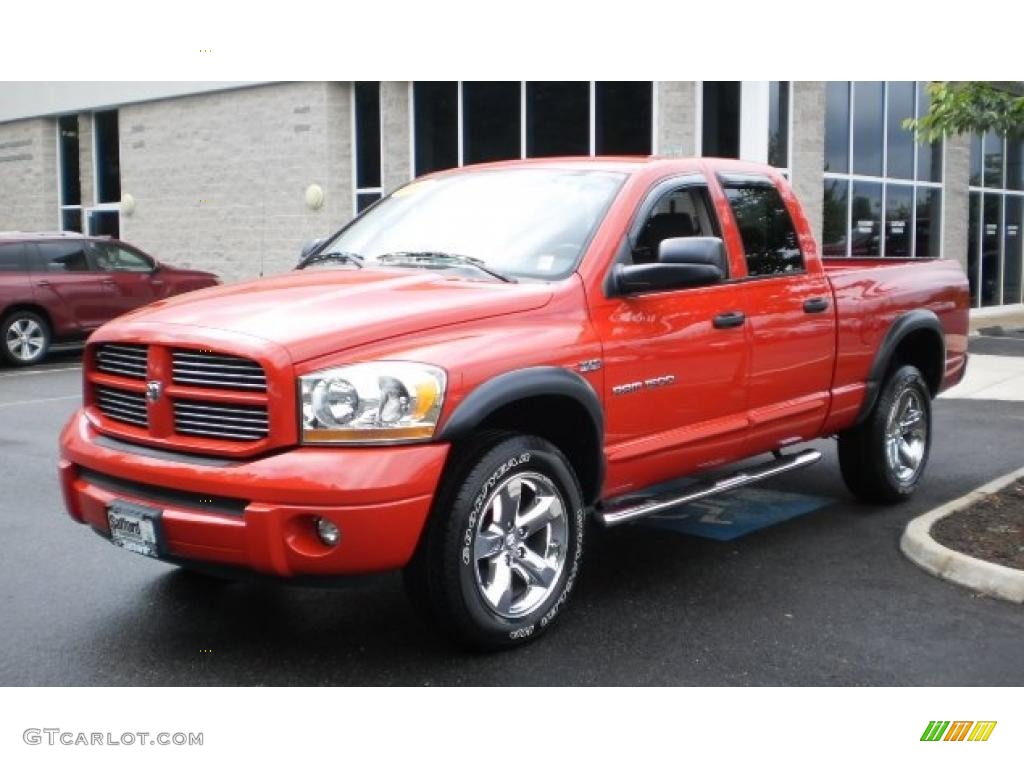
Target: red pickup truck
{"type": "Point", "coordinates": [463, 377]}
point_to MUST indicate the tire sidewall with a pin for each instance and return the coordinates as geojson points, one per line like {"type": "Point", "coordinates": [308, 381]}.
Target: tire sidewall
{"type": "Point", "coordinates": [906, 377]}
{"type": "Point", "coordinates": [5, 326]}
{"type": "Point", "coordinates": [510, 457]}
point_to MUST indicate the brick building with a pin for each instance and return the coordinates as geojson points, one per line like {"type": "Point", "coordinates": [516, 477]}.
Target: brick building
{"type": "Point", "coordinates": [234, 177]}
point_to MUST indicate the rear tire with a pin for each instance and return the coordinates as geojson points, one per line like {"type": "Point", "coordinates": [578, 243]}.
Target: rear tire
{"type": "Point", "coordinates": [24, 338]}
{"type": "Point", "coordinates": [503, 547]}
{"type": "Point", "coordinates": [883, 458]}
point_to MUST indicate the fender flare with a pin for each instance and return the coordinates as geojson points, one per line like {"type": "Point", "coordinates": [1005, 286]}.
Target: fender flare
{"type": "Point", "coordinates": [507, 388]}
{"type": "Point", "coordinates": [902, 326]}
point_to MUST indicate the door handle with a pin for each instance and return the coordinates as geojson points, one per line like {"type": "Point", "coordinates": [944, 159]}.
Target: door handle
{"type": "Point", "coordinates": [817, 304]}
{"type": "Point", "coordinates": [729, 320]}
{"type": "Point", "coordinates": [42, 283]}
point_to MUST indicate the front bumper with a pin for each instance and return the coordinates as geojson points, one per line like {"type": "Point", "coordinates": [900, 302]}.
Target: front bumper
{"type": "Point", "coordinates": [259, 513]}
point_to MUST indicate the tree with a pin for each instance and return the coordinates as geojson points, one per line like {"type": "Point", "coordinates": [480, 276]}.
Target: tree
{"type": "Point", "coordinates": [970, 107]}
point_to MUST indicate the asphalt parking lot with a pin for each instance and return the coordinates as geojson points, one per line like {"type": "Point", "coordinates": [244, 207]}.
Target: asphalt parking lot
{"type": "Point", "coordinates": [825, 598]}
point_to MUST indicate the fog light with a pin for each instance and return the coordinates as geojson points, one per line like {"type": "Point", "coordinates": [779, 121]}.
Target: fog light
{"type": "Point", "coordinates": [328, 532]}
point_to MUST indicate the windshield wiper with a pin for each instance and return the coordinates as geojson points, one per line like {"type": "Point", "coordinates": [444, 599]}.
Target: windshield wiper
{"type": "Point", "coordinates": [344, 257]}
{"type": "Point", "coordinates": [441, 259]}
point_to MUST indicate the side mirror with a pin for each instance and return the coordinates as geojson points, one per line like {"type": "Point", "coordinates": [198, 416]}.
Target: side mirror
{"type": "Point", "coordinates": [709, 251]}
{"type": "Point", "coordinates": [643, 278]}
{"type": "Point", "coordinates": [310, 246]}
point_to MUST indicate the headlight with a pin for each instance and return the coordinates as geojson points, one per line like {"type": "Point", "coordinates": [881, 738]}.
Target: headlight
{"type": "Point", "coordinates": [371, 402]}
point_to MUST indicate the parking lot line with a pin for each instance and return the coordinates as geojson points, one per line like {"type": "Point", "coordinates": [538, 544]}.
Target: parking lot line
{"type": "Point", "coordinates": [39, 400]}
{"type": "Point", "coordinates": [39, 371]}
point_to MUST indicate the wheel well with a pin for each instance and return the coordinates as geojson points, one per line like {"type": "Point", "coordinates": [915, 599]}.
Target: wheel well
{"type": "Point", "coordinates": [563, 422]}
{"type": "Point", "coordinates": [924, 350]}
{"type": "Point", "coordinates": [10, 310]}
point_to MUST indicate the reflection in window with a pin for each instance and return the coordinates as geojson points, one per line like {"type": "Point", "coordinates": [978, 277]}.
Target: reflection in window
{"type": "Point", "coordinates": [1013, 254]}
{"type": "Point", "coordinates": [899, 219]}
{"type": "Point", "coordinates": [778, 123]}
{"type": "Point", "coordinates": [435, 126]}
{"type": "Point", "coordinates": [991, 226]}
{"type": "Point", "coordinates": [1015, 163]}
{"type": "Point", "coordinates": [929, 156]}
{"type": "Point", "coordinates": [837, 127]}
{"type": "Point", "coordinates": [866, 219]}
{"type": "Point", "coordinates": [993, 160]}
{"type": "Point", "coordinates": [835, 217]}
{"type": "Point", "coordinates": [622, 118]}
{"type": "Point", "coordinates": [929, 217]}
{"type": "Point", "coordinates": [490, 117]}
{"type": "Point", "coordinates": [769, 239]}
{"type": "Point", "coordinates": [557, 119]}
{"type": "Point", "coordinates": [900, 150]}
{"type": "Point", "coordinates": [868, 123]}
{"type": "Point", "coordinates": [995, 257]}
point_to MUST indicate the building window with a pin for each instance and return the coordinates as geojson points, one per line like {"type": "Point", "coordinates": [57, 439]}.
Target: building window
{"type": "Point", "coordinates": [70, 178]}
{"type": "Point", "coordinates": [460, 123]}
{"type": "Point", "coordinates": [104, 216]}
{"type": "Point", "coordinates": [995, 258]}
{"type": "Point", "coordinates": [778, 123]}
{"type": "Point", "coordinates": [720, 118]}
{"type": "Point", "coordinates": [366, 127]}
{"type": "Point", "coordinates": [882, 190]}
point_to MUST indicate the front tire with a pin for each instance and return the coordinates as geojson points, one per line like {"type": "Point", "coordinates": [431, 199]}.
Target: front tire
{"type": "Point", "coordinates": [883, 458]}
{"type": "Point", "coordinates": [503, 548]}
{"type": "Point", "coordinates": [26, 338]}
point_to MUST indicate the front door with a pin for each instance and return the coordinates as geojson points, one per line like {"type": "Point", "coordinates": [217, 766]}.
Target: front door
{"type": "Point", "coordinates": [128, 275]}
{"type": "Point", "coordinates": [676, 385]}
{"type": "Point", "coordinates": [65, 279]}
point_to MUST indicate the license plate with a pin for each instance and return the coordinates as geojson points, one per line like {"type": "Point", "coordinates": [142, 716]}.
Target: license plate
{"type": "Point", "coordinates": [134, 527]}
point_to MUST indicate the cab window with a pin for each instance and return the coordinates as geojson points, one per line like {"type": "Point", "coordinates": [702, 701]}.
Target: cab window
{"type": "Point", "coordinates": [682, 212]}
{"type": "Point", "coordinates": [770, 242]}
{"type": "Point", "coordinates": [113, 258]}
{"type": "Point", "coordinates": [63, 257]}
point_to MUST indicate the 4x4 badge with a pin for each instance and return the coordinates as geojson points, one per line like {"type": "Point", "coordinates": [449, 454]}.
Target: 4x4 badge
{"type": "Point", "coordinates": [153, 390]}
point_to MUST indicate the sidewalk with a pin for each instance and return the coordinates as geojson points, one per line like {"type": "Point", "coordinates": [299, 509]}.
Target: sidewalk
{"type": "Point", "coordinates": [991, 377]}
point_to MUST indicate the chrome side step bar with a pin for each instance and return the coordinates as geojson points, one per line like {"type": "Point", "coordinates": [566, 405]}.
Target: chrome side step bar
{"type": "Point", "coordinates": [616, 514]}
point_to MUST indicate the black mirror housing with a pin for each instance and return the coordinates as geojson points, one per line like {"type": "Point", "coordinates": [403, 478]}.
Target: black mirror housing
{"type": "Point", "coordinates": [645, 278]}
{"type": "Point", "coordinates": [709, 251]}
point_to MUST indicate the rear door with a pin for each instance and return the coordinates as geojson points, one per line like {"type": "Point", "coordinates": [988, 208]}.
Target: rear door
{"type": "Point", "coordinates": [127, 273]}
{"type": "Point", "coordinates": [15, 286]}
{"type": "Point", "coordinates": [790, 317]}
{"type": "Point", "coordinates": [64, 275]}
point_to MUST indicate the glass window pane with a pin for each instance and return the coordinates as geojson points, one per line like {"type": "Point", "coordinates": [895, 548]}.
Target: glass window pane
{"type": "Point", "coordinates": [868, 110]}
{"type": "Point", "coordinates": [720, 127]}
{"type": "Point", "coordinates": [365, 200]}
{"type": "Point", "coordinates": [1015, 163]}
{"type": "Point", "coordinates": [993, 160]}
{"type": "Point", "coordinates": [108, 165]}
{"type": "Point", "coordinates": [901, 149]}
{"type": "Point", "coordinates": [929, 156]}
{"type": "Point", "coordinates": [63, 257]}
{"type": "Point", "coordinates": [111, 258]}
{"type": "Point", "coordinates": [769, 239]}
{"type": "Point", "coordinates": [973, 242]}
{"type": "Point", "coordinates": [991, 279]}
{"type": "Point", "coordinates": [975, 160]}
{"type": "Point", "coordinates": [490, 115]}
{"type": "Point", "coordinates": [866, 219]}
{"type": "Point", "coordinates": [104, 223]}
{"type": "Point", "coordinates": [899, 217]}
{"type": "Point", "coordinates": [557, 119]}
{"type": "Point", "coordinates": [367, 134]}
{"type": "Point", "coordinates": [1013, 253]}
{"type": "Point", "coordinates": [436, 126]}
{"type": "Point", "coordinates": [70, 181]}
{"type": "Point", "coordinates": [12, 258]}
{"type": "Point", "coordinates": [71, 220]}
{"type": "Point", "coordinates": [929, 222]}
{"type": "Point", "coordinates": [778, 123]}
{"type": "Point", "coordinates": [836, 206]}
{"type": "Point", "coordinates": [622, 115]}
{"type": "Point", "coordinates": [837, 127]}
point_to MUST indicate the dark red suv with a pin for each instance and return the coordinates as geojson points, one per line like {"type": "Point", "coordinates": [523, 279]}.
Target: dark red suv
{"type": "Point", "coordinates": [62, 286]}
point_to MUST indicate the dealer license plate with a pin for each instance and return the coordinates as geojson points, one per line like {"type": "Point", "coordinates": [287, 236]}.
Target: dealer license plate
{"type": "Point", "coordinates": [134, 527]}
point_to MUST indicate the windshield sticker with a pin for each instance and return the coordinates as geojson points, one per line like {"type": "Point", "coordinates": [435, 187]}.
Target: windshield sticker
{"type": "Point", "coordinates": [545, 263]}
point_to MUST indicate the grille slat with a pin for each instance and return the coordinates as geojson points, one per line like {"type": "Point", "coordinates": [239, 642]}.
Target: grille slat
{"type": "Point", "coordinates": [217, 371]}
{"type": "Point", "coordinates": [227, 422]}
{"type": "Point", "coordinates": [122, 405]}
{"type": "Point", "coordinates": [127, 360]}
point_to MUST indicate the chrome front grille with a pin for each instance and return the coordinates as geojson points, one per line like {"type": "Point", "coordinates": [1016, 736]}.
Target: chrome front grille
{"type": "Point", "coordinates": [205, 369]}
{"type": "Point", "coordinates": [127, 360]}
{"type": "Point", "coordinates": [221, 420]}
{"type": "Point", "coordinates": [122, 405]}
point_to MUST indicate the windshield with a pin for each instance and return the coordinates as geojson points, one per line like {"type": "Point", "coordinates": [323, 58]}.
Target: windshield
{"type": "Point", "coordinates": [526, 222]}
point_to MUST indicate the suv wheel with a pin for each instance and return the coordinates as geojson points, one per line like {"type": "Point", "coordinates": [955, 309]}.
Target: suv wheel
{"type": "Point", "coordinates": [503, 548]}
{"type": "Point", "coordinates": [26, 338]}
{"type": "Point", "coordinates": [882, 459]}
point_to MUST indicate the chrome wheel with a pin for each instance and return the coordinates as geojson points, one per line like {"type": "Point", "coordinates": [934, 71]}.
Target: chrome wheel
{"type": "Point", "coordinates": [906, 435]}
{"type": "Point", "coordinates": [519, 548]}
{"type": "Point", "coordinates": [25, 339]}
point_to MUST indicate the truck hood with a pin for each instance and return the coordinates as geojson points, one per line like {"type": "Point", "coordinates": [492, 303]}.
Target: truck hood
{"type": "Point", "coordinates": [319, 312]}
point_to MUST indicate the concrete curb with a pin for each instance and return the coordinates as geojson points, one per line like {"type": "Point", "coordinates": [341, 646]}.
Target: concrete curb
{"type": "Point", "coordinates": [979, 575]}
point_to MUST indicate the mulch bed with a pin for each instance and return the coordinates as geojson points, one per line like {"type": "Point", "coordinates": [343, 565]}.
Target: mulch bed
{"type": "Point", "coordinates": [991, 529]}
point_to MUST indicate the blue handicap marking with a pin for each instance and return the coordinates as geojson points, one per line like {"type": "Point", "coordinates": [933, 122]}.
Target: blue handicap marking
{"type": "Point", "coordinates": [736, 513]}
